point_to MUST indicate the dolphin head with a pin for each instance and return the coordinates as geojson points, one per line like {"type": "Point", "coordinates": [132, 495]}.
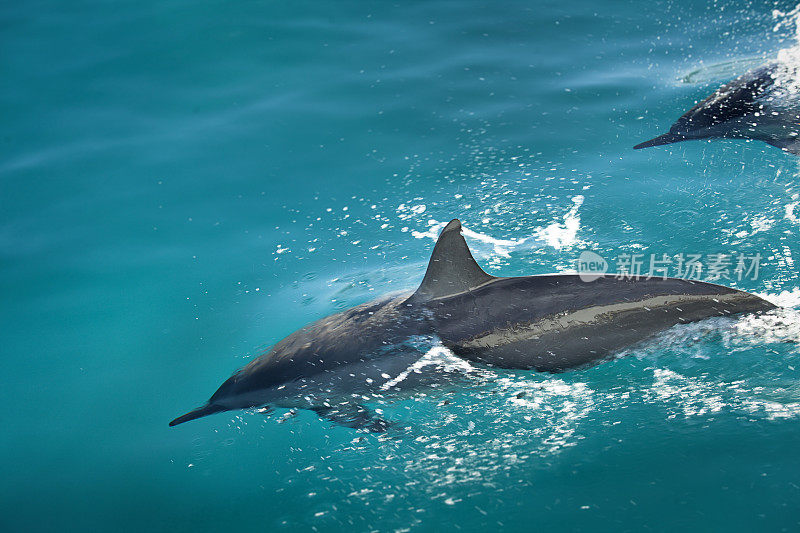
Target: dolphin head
{"type": "Point", "coordinates": [260, 375]}
{"type": "Point", "coordinates": [740, 109]}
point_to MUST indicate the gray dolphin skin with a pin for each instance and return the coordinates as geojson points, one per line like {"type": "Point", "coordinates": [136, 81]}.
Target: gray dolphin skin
{"type": "Point", "coordinates": [763, 104]}
{"type": "Point", "coordinates": [547, 323]}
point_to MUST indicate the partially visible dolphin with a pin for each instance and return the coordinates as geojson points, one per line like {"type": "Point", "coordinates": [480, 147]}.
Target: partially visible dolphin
{"type": "Point", "coordinates": [762, 104]}
{"type": "Point", "coordinates": [548, 323]}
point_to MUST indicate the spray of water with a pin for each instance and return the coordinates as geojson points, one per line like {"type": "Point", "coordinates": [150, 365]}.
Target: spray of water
{"type": "Point", "coordinates": [558, 234]}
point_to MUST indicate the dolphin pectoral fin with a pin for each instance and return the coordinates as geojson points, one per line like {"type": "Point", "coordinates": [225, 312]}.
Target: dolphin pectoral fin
{"type": "Point", "coordinates": [787, 145]}
{"type": "Point", "coordinates": [667, 138]}
{"type": "Point", "coordinates": [353, 415]}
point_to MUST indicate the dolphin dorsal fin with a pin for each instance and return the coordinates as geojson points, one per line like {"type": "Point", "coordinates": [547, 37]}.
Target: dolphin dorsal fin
{"type": "Point", "coordinates": [452, 269]}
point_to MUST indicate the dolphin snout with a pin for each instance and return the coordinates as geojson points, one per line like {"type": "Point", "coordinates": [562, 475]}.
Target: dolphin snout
{"type": "Point", "coordinates": [205, 410]}
{"type": "Point", "coordinates": [667, 138]}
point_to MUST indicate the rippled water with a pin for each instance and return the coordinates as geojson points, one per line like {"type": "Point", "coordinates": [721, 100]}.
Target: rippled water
{"type": "Point", "coordinates": [183, 184]}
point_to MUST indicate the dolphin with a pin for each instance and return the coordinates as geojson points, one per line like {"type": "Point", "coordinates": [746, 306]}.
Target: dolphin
{"type": "Point", "coordinates": [552, 323]}
{"type": "Point", "coordinates": [762, 104]}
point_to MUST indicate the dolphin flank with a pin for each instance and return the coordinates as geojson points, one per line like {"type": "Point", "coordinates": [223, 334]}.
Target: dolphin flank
{"type": "Point", "coordinates": [763, 104]}
{"type": "Point", "coordinates": [550, 323]}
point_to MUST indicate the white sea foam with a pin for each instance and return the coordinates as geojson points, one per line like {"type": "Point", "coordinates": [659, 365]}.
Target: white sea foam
{"type": "Point", "coordinates": [562, 234]}
{"type": "Point", "coordinates": [438, 356]}
{"type": "Point", "coordinates": [557, 407]}
{"type": "Point", "coordinates": [787, 298]}
{"type": "Point", "coordinates": [787, 83]}
{"type": "Point", "coordinates": [693, 396]}
{"type": "Point", "coordinates": [790, 212]}
{"type": "Point", "coordinates": [558, 234]}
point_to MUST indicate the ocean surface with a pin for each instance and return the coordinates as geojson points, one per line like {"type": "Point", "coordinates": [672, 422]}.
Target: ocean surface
{"type": "Point", "coordinates": [182, 184]}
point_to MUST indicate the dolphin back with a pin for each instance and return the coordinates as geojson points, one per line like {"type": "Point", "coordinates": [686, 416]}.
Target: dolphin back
{"type": "Point", "coordinates": [560, 322]}
{"type": "Point", "coordinates": [556, 322]}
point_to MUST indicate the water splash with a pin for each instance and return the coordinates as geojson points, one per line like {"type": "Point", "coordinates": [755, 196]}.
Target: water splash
{"type": "Point", "coordinates": [499, 246]}
{"type": "Point", "coordinates": [557, 407]}
{"type": "Point", "coordinates": [693, 397]}
{"type": "Point", "coordinates": [438, 357]}
{"type": "Point", "coordinates": [558, 234]}
{"type": "Point", "coordinates": [789, 213]}
{"type": "Point", "coordinates": [724, 70]}
{"type": "Point", "coordinates": [787, 85]}
{"type": "Point", "coordinates": [787, 21]}
{"type": "Point", "coordinates": [786, 298]}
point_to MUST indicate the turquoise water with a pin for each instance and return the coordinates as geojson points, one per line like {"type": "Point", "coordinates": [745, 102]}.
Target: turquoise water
{"type": "Point", "coordinates": [184, 183]}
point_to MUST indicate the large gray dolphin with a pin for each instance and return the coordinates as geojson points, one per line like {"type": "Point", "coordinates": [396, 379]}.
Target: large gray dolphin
{"type": "Point", "coordinates": [548, 323]}
{"type": "Point", "coordinates": [762, 104]}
